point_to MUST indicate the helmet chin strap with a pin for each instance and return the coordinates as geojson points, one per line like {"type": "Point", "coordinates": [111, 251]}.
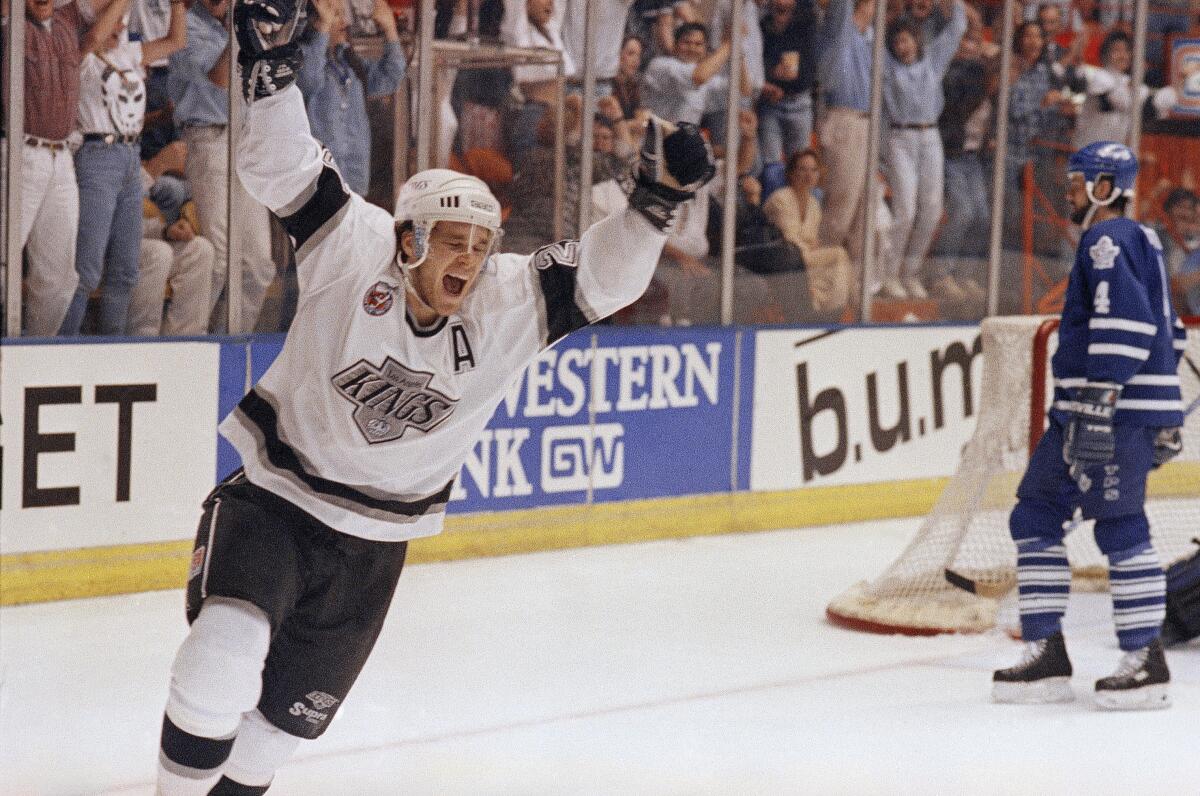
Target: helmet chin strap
{"type": "Point", "coordinates": [1089, 215]}
{"type": "Point", "coordinates": [410, 285]}
{"type": "Point", "coordinates": [1096, 204]}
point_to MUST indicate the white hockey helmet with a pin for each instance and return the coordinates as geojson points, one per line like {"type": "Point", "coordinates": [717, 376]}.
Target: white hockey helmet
{"type": "Point", "coordinates": [437, 195]}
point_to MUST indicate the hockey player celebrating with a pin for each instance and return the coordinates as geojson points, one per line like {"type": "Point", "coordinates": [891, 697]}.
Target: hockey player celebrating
{"type": "Point", "coordinates": [1116, 414]}
{"type": "Point", "coordinates": [407, 334]}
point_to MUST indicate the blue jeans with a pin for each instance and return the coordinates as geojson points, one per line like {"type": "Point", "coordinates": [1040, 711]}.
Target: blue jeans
{"type": "Point", "coordinates": [170, 194]}
{"type": "Point", "coordinates": [968, 211]}
{"type": "Point", "coordinates": [523, 135]}
{"type": "Point", "coordinates": [785, 127]}
{"type": "Point", "coordinates": [108, 243]}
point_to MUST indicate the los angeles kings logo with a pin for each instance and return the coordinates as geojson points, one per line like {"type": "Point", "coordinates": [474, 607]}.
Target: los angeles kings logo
{"type": "Point", "coordinates": [391, 398]}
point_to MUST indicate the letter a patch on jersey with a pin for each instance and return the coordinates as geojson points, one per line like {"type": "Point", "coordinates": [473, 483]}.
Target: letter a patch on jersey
{"type": "Point", "coordinates": [390, 399]}
{"type": "Point", "coordinates": [1104, 253]}
{"type": "Point", "coordinates": [464, 357]}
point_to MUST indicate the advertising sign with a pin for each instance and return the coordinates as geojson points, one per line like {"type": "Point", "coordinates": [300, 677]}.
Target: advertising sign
{"type": "Point", "coordinates": [104, 444]}
{"type": "Point", "coordinates": [862, 405]}
{"type": "Point", "coordinates": [1185, 75]}
{"type": "Point", "coordinates": [610, 413]}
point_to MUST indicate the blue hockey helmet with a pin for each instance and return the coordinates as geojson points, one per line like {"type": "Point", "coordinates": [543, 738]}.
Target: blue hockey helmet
{"type": "Point", "coordinates": [1105, 160]}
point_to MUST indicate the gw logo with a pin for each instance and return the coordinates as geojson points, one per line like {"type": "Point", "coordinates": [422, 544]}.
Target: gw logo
{"type": "Point", "coordinates": [570, 454]}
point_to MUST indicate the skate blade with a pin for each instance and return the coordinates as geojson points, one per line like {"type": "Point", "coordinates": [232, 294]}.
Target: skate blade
{"type": "Point", "coordinates": [1042, 692]}
{"type": "Point", "coordinates": [1152, 697]}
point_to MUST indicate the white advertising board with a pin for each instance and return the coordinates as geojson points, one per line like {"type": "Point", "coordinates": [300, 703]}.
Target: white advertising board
{"type": "Point", "coordinates": [105, 444]}
{"type": "Point", "coordinates": [856, 406]}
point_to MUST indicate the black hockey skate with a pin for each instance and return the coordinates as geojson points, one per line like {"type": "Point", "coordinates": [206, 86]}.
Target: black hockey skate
{"type": "Point", "coordinates": [1042, 676]}
{"type": "Point", "coordinates": [1139, 683]}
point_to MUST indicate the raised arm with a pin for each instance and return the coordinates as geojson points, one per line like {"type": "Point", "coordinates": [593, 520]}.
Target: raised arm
{"type": "Point", "coordinates": [314, 48]}
{"type": "Point", "coordinates": [582, 281]}
{"type": "Point", "coordinates": [835, 34]}
{"type": "Point", "coordinates": [107, 19]}
{"type": "Point", "coordinates": [712, 63]}
{"type": "Point", "coordinates": [278, 159]}
{"type": "Point", "coordinates": [385, 74]}
{"type": "Point", "coordinates": [174, 41]}
{"type": "Point", "coordinates": [945, 44]}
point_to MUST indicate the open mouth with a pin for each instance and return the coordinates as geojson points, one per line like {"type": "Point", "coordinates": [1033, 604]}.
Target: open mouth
{"type": "Point", "coordinates": [453, 285]}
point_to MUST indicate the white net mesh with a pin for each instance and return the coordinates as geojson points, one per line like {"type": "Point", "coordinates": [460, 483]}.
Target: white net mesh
{"type": "Point", "coordinates": [967, 531]}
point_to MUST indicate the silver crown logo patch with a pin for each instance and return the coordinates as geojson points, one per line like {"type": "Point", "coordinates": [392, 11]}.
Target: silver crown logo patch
{"type": "Point", "coordinates": [390, 398]}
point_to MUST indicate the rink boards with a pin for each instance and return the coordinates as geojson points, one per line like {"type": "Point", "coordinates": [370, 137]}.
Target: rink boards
{"type": "Point", "coordinates": [616, 434]}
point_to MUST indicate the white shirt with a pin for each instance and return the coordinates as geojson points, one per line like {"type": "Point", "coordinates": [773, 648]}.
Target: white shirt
{"type": "Point", "coordinates": [150, 20]}
{"type": "Point", "coordinates": [752, 42]}
{"type": "Point", "coordinates": [518, 31]}
{"type": "Point", "coordinates": [668, 90]}
{"type": "Point", "coordinates": [610, 31]}
{"type": "Point", "coordinates": [112, 90]}
{"type": "Point", "coordinates": [1097, 124]}
{"type": "Point", "coordinates": [364, 419]}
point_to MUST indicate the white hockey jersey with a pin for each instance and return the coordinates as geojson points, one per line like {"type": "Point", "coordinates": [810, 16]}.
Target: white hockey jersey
{"type": "Point", "coordinates": [365, 419]}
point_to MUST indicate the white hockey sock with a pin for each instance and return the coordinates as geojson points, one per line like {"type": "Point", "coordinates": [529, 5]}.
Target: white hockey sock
{"type": "Point", "coordinates": [1139, 593]}
{"type": "Point", "coordinates": [260, 749]}
{"type": "Point", "coordinates": [1043, 585]}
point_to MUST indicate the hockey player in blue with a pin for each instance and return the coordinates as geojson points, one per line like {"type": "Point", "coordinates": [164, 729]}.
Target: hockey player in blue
{"type": "Point", "coordinates": [1116, 415]}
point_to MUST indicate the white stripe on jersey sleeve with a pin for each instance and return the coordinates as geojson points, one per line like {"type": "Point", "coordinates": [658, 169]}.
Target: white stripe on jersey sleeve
{"type": "Point", "coordinates": [1117, 349]}
{"type": "Point", "coordinates": [1150, 405]}
{"type": "Point", "coordinates": [1124, 325]}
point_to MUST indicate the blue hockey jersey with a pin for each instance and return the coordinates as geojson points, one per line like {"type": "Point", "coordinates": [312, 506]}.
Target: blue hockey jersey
{"type": "Point", "coordinates": [1118, 326]}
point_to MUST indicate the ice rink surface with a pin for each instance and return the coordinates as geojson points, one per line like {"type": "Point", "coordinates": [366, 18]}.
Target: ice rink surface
{"type": "Point", "coordinates": [681, 667]}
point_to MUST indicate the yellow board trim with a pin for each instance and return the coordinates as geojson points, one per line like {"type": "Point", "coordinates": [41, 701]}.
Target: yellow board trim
{"type": "Point", "coordinates": [122, 569]}
{"type": "Point", "coordinates": [100, 571]}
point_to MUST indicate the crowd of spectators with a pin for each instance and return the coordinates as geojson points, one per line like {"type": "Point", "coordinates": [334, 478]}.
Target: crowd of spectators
{"type": "Point", "coordinates": [126, 179]}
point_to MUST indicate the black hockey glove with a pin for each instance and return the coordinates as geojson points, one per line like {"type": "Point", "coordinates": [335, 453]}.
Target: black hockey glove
{"type": "Point", "coordinates": [268, 56]}
{"type": "Point", "coordinates": [675, 161]}
{"type": "Point", "coordinates": [1168, 443]}
{"type": "Point", "coordinates": [1089, 440]}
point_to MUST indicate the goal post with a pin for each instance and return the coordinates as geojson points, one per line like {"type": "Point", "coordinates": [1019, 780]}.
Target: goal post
{"type": "Point", "coordinates": [952, 574]}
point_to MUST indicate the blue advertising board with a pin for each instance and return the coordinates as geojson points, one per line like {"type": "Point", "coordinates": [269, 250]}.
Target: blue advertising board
{"type": "Point", "coordinates": [610, 413]}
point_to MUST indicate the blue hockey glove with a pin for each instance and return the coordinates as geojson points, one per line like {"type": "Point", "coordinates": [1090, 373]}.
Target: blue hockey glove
{"type": "Point", "coordinates": [268, 57]}
{"type": "Point", "coordinates": [675, 161]}
{"type": "Point", "coordinates": [1088, 439]}
{"type": "Point", "coordinates": [1168, 443]}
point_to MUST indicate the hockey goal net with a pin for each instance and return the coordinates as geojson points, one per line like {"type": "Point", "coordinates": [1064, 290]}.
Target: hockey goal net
{"type": "Point", "coordinates": [965, 539]}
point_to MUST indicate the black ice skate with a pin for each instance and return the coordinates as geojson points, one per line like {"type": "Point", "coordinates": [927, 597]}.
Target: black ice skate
{"type": "Point", "coordinates": [1042, 676]}
{"type": "Point", "coordinates": [1139, 683]}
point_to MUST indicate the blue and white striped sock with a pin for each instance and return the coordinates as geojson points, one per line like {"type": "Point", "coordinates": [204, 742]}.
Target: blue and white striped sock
{"type": "Point", "coordinates": [1043, 586]}
{"type": "Point", "coordinates": [1139, 592]}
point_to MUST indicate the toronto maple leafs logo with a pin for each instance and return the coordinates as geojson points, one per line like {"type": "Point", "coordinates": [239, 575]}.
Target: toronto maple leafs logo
{"type": "Point", "coordinates": [1104, 253]}
{"type": "Point", "coordinates": [391, 398]}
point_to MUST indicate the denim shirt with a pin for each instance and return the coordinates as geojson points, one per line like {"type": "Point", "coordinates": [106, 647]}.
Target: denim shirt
{"type": "Point", "coordinates": [1026, 116]}
{"type": "Point", "coordinates": [197, 99]}
{"type": "Point", "coordinates": [845, 65]}
{"type": "Point", "coordinates": [336, 100]}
